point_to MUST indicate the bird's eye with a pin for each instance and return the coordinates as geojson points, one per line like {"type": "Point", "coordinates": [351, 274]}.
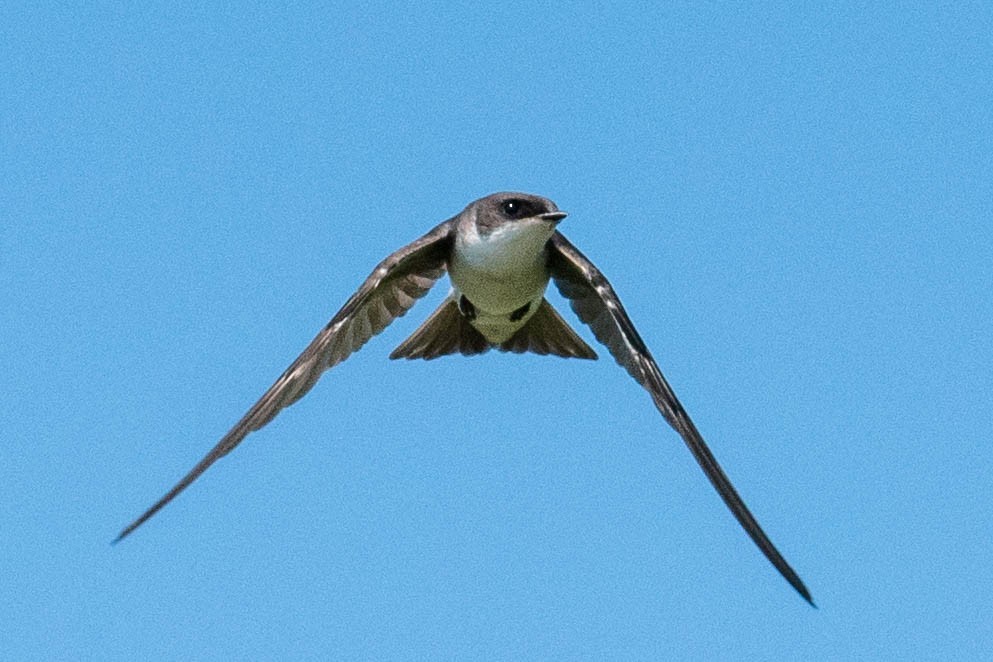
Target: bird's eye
{"type": "Point", "coordinates": [514, 208]}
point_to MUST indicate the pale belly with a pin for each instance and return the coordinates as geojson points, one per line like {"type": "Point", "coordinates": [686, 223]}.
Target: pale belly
{"type": "Point", "coordinates": [497, 296]}
{"type": "Point", "coordinates": [503, 275]}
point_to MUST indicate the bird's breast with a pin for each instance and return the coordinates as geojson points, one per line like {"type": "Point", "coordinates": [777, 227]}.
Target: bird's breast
{"type": "Point", "coordinates": [503, 278]}
{"type": "Point", "coordinates": [502, 271]}
{"type": "Point", "coordinates": [499, 289]}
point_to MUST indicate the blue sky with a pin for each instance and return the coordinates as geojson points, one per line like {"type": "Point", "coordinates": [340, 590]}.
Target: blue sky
{"type": "Point", "coordinates": [795, 206]}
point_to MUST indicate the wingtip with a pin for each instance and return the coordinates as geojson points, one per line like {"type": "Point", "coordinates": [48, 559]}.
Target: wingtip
{"type": "Point", "coordinates": [129, 529]}
{"type": "Point", "coordinates": [805, 594]}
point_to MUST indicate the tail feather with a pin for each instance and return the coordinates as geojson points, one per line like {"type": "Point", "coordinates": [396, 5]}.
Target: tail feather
{"type": "Point", "coordinates": [446, 331]}
{"type": "Point", "coordinates": [547, 333]}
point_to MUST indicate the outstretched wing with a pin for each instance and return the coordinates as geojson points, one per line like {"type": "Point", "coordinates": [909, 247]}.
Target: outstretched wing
{"type": "Point", "coordinates": [594, 301]}
{"type": "Point", "coordinates": [388, 293]}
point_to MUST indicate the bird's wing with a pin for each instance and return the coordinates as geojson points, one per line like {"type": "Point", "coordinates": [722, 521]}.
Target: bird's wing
{"type": "Point", "coordinates": [595, 302]}
{"type": "Point", "coordinates": [388, 293]}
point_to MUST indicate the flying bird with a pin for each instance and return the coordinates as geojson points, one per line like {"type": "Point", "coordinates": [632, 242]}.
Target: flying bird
{"type": "Point", "coordinates": [500, 253]}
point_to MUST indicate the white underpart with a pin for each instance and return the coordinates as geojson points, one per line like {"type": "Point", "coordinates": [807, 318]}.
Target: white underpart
{"type": "Point", "coordinates": [501, 272]}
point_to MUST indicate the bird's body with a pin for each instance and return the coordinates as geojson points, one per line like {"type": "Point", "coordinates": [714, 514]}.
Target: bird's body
{"type": "Point", "coordinates": [500, 252]}
{"type": "Point", "coordinates": [501, 272]}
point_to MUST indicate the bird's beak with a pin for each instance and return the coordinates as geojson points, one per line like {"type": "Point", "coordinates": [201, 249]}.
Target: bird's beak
{"type": "Point", "coordinates": [553, 216]}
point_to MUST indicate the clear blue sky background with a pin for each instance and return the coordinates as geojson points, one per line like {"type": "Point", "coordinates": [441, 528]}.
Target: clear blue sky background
{"type": "Point", "coordinates": [794, 204]}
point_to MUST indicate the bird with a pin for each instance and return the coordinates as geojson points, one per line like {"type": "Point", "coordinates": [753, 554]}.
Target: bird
{"type": "Point", "coordinates": [500, 253]}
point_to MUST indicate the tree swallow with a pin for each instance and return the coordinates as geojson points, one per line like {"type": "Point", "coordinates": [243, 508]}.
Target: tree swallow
{"type": "Point", "coordinates": [500, 253]}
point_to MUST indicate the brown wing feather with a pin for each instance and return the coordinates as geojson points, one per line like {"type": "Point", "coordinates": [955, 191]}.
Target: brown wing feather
{"type": "Point", "coordinates": [389, 292]}
{"type": "Point", "coordinates": [595, 302]}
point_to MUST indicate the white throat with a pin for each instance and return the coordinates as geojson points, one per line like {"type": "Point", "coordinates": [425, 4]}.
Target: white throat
{"type": "Point", "coordinates": [509, 247]}
{"type": "Point", "coordinates": [501, 271]}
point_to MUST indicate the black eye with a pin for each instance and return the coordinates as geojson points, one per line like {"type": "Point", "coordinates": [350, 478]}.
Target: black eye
{"type": "Point", "coordinates": [515, 208]}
